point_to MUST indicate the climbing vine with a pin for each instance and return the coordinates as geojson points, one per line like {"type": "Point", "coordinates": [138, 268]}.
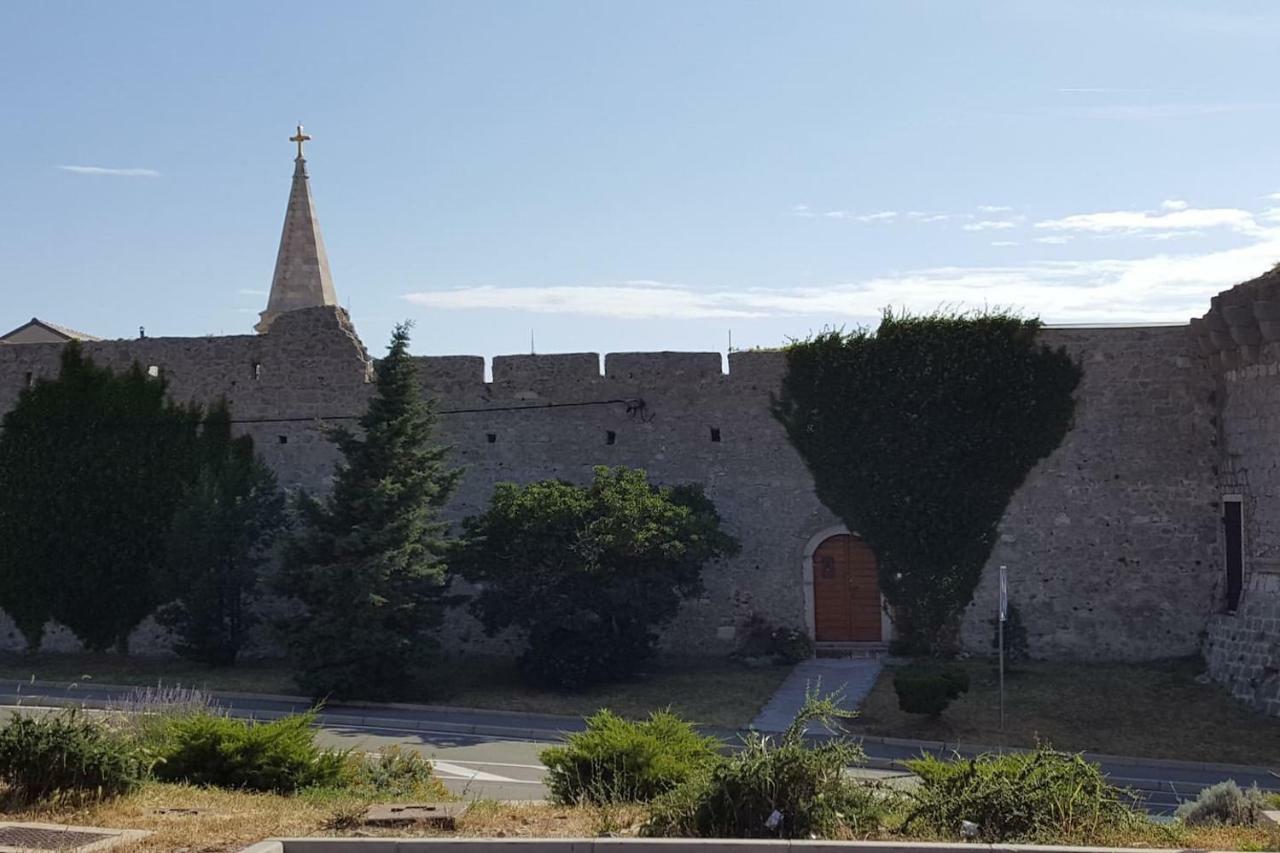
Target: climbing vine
{"type": "Point", "coordinates": [917, 435]}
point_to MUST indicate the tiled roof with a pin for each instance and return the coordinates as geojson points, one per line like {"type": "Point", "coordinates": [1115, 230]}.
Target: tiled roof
{"type": "Point", "coordinates": [69, 334]}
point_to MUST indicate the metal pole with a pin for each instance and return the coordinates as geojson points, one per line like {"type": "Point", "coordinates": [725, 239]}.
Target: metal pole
{"type": "Point", "coordinates": [1000, 617]}
{"type": "Point", "coordinates": [1002, 675]}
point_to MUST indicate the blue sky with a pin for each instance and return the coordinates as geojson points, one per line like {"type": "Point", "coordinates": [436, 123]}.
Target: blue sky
{"type": "Point", "coordinates": [623, 176]}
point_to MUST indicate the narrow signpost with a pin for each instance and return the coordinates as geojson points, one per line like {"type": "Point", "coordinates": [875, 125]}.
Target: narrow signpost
{"type": "Point", "coordinates": [1004, 613]}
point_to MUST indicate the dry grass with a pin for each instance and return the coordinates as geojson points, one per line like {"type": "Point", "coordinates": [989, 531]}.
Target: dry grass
{"type": "Point", "coordinates": [248, 677]}
{"type": "Point", "coordinates": [231, 821]}
{"type": "Point", "coordinates": [713, 692]}
{"type": "Point", "coordinates": [1155, 710]}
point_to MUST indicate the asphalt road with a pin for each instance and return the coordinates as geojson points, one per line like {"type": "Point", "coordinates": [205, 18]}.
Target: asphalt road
{"type": "Point", "coordinates": [494, 755]}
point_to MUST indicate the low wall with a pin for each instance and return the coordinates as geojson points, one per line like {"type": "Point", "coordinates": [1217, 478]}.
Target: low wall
{"type": "Point", "coordinates": [1243, 648]}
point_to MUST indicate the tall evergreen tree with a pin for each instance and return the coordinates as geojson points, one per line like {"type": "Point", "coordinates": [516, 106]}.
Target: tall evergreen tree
{"type": "Point", "coordinates": [367, 562]}
{"type": "Point", "coordinates": [92, 464]}
{"type": "Point", "coordinates": [219, 540]}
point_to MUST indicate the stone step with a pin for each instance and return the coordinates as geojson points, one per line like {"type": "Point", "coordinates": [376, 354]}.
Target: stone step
{"type": "Point", "coordinates": [857, 651]}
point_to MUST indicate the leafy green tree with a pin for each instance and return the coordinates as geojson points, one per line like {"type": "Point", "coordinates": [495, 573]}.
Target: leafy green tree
{"type": "Point", "coordinates": [219, 541]}
{"type": "Point", "coordinates": [917, 435]}
{"type": "Point", "coordinates": [367, 563]}
{"type": "Point", "coordinates": [92, 464]}
{"type": "Point", "coordinates": [589, 572]}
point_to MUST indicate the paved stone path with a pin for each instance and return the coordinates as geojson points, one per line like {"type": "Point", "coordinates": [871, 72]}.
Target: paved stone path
{"type": "Point", "coordinates": [854, 677]}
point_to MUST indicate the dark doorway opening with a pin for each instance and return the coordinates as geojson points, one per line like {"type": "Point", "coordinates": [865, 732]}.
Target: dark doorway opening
{"type": "Point", "coordinates": [1233, 526]}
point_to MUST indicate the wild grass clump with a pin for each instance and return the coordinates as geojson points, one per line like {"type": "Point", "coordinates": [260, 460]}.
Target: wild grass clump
{"type": "Point", "coordinates": [783, 789]}
{"type": "Point", "coordinates": [1224, 804]}
{"type": "Point", "coordinates": [68, 754]}
{"type": "Point", "coordinates": [615, 760]}
{"type": "Point", "coordinates": [279, 756]}
{"type": "Point", "coordinates": [1040, 795]}
{"type": "Point", "coordinates": [392, 773]}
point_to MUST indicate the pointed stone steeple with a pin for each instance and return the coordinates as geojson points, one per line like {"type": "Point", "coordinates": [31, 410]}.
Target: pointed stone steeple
{"type": "Point", "coordinates": [302, 277]}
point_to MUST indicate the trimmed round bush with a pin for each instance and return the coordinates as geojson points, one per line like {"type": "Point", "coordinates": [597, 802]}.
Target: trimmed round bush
{"type": "Point", "coordinates": [929, 689]}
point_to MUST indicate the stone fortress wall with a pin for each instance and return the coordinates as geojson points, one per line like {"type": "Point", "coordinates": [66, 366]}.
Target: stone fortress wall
{"type": "Point", "coordinates": [1240, 339]}
{"type": "Point", "coordinates": [1112, 543]}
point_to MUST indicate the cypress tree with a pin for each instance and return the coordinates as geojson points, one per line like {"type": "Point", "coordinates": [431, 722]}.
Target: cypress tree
{"type": "Point", "coordinates": [219, 541]}
{"type": "Point", "coordinates": [367, 563]}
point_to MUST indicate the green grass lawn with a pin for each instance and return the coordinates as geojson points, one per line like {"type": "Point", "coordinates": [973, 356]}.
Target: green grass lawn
{"type": "Point", "coordinates": [713, 692]}
{"type": "Point", "coordinates": [1156, 710]}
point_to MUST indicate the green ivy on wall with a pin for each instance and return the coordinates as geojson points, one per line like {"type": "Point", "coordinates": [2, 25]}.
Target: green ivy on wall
{"type": "Point", "coordinates": [917, 435]}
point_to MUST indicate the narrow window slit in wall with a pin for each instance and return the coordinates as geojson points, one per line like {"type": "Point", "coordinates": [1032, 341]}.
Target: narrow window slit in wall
{"type": "Point", "coordinates": [257, 370]}
{"type": "Point", "coordinates": [491, 437]}
{"type": "Point", "coordinates": [29, 379]}
{"type": "Point", "coordinates": [715, 434]}
{"type": "Point", "coordinates": [283, 439]}
{"type": "Point", "coordinates": [610, 437]}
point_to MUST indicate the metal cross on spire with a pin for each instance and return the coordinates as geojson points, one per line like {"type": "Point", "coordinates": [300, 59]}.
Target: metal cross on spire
{"type": "Point", "coordinates": [300, 138]}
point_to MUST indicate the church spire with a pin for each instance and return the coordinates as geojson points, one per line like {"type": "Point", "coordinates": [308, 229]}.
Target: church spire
{"type": "Point", "coordinates": [302, 277]}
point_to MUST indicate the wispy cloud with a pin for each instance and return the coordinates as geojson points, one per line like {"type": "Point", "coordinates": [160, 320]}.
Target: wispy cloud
{"type": "Point", "coordinates": [249, 291]}
{"type": "Point", "coordinates": [1100, 90]}
{"type": "Point", "coordinates": [1054, 239]}
{"type": "Point", "coordinates": [1004, 242]}
{"type": "Point", "coordinates": [1163, 287]}
{"type": "Point", "coordinates": [994, 208]}
{"type": "Point", "coordinates": [1177, 216]}
{"type": "Point", "coordinates": [104, 170]}
{"type": "Point", "coordinates": [1153, 112]}
{"type": "Point", "coordinates": [990, 225]}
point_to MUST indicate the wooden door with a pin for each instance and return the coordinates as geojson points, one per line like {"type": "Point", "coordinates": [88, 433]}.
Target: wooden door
{"type": "Point", "coordinates": [846, 592]}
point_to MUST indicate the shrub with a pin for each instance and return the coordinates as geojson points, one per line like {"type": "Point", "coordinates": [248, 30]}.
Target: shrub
{"type": "Point", "coordinates": [617, 760]}
{"type": "Point", "coordinates": [1034, 796]}
{"type": "Point", "coordinates": [787, 789]}
{"type": "Point", "coordinates": [67, 753]}
{"type": "Point", "coordinates": [928, 689]}
{"type": "Point", "coordinates": [1016, 648]}
{"type": "Point", "coordinates": [760, 639]}
{"type": "Point", "coordinates": [589, 572]}
{"type": "Point", "coordinates": [1224, 804]}
{"type": "Point", "coordinates": [394, 773]}
{"type": "Point", "coordinates": [279, 756]}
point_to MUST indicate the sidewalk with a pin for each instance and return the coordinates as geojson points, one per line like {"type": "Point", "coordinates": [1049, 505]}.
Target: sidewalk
{"type": "Point", "coordinates": [851, 678]}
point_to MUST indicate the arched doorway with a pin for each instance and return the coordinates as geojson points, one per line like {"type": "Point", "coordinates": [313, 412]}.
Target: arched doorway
{"type": "Point", "coordinates": [845, 591]}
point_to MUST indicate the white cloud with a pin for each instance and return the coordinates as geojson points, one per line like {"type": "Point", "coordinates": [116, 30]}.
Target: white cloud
{"type": "Point", "coordinates": [990, 225]}
{"type": "Point", "coordinates": [1174, 204]}
{"type": "Point", "coordinates": [881, 216]}
{"type": "Point", "coordinates": [1161, 288]}
{"type": "Point", "coordinates": [1004, 242]}
{"type": "Point", "coordinates": [630, 300]}
{"type": "Point", "coordinates": [1136, 221]}
{"type": "Point", "coordinates": [1054, 239]}
{"type": "Point", "coordinates": [1272, 196]}
{"type": "Point", "coordinates": [249, 291]}
{"type": "Point", "coordinates": [103, 170]}
{"type": "Point", "coordinates": [993, 208]}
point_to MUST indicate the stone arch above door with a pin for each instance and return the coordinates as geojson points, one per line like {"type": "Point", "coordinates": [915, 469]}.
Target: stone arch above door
{"type": "Point", "coordinates": [846, 556]}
